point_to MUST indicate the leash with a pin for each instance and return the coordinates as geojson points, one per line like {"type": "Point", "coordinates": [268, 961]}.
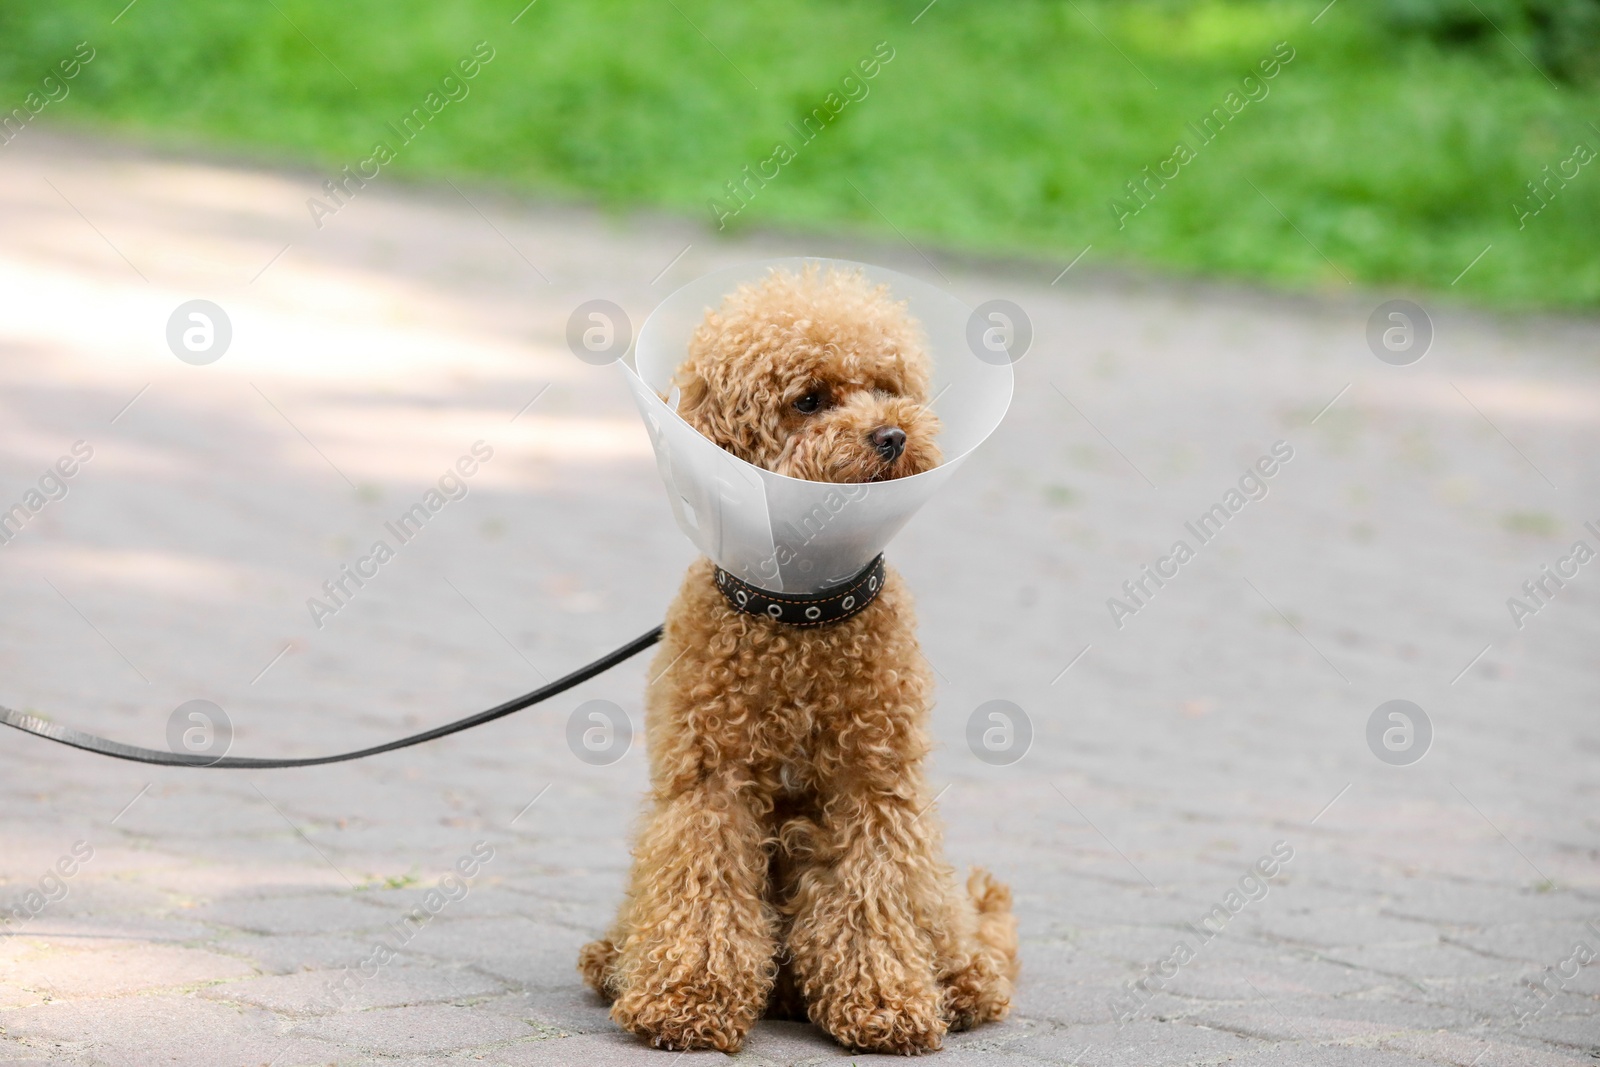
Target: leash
{"type": "Point", "coordinates": [66, 735]}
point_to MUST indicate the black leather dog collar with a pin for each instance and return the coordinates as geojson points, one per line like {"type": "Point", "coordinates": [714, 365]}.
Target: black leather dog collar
{"type": "Point", "coordinates": [805, 609]}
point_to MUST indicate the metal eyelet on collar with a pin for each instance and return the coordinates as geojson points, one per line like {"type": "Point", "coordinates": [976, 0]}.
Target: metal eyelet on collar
{"type": "Point", "coordinates": [805, 609]}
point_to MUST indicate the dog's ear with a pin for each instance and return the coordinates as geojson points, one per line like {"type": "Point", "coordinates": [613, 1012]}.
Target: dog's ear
{"type": "Point", "coordinates": [698, 406]}
{"type": "Point", "coordinates": [693, 392]}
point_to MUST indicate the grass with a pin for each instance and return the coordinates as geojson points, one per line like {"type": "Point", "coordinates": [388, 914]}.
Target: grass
{"type": "Point", "coordinates": [1376, 159]}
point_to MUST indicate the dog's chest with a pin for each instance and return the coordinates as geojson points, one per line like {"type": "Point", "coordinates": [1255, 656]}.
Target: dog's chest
{"type": "Point", "coordinates": [791, 734]}
{"type": "Point", "coordinates": [797, 706]}
{"type": "Point", "coordinates": [785, 741]}
{"type": "Point", "coordinates": [793, 778]}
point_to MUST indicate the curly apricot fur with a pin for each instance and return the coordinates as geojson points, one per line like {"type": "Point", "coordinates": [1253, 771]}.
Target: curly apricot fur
{"type": "Point", "coordinates": [788, 863]}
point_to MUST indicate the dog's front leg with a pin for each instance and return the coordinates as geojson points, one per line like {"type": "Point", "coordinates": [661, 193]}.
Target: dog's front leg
{"type": "Point", "coordinates": [697, 963]}
{"type": "Point", "coordinates": [863, 935]}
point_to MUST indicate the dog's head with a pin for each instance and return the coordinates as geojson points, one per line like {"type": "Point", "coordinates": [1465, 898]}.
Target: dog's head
{"type": "Point", "coordinates": [818, 375]}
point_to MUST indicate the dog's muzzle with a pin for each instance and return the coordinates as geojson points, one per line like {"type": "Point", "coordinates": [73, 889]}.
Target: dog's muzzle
{"type": "Point", "coordinates": [805, 609]}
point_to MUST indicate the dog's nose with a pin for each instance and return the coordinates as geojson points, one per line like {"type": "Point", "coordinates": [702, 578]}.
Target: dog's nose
{"type": "Point", "coordinates": [889, 441]}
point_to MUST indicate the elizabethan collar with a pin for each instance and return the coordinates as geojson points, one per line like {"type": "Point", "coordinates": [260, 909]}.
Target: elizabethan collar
{"type": "Point", "coordinates": [786, 535]}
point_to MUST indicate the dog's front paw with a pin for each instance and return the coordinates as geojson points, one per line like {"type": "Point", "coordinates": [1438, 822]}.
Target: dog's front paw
{"type": "Point", "coordinates": [692, 1017]}
{"type": "Point", "coordinates": [905, 1022]}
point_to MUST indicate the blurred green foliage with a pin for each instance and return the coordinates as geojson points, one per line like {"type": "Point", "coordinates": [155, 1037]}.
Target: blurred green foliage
{"type": "Point", "coordinates": [1395, 147]}
{"type": "Point", "coordinates": [1562, 36]}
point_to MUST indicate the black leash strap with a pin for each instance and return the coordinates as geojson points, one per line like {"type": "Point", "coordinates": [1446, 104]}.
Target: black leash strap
{"type": "Point", "coordinates": [66, 735]}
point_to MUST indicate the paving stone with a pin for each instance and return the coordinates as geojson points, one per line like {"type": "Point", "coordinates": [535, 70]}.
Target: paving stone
{"type": "Point", "coordinates": [154, 928]}
{"type": "Point", "coordinates": [1503, 1001]}
{"type": "Point", "coordinates": [288, 953]}
{"type": "Point", "coordinates": [961, 1057]}
{"type": "Point", "coordinates": [1421, 961]}
{"type": "Point", "coordinates": [1069, 1004]}
{"type": "Point", "coordinates": [318, 914]}
{"type": "Point", "coordinates": [1538, 945]}
{"type": "Point", "coordinates": [1345, 1019]}
{"type": "Point", "coordinates": [777, 1041]}
{"type": "Point", "coordinates": [1579, 1031]}
{"type": "Point", "coordinates": [1485, 1050]}
{"type": "Point", "coordinates": [571, 1009]}
{"type": "Point", "coordinates": [408, 1031]}
{"type": "Point", "coordinates": [1273, 1025]}
{"type": "Point", "coordinates": [1347, 927]}
{"type": "Point", "coordinates": [537, 955]}
{"type": "Point", "coordinates": [1016, 1038]}
{"type": "Point", "coordinates": [119, 970]}
{"type": "Point", "coordinates": [612, 1049]}
{"type": "Point", "coordinates": [1155, 1044]}
{"type": "Point", "coordinates": [1481, 906]}
{"type": "Point", "coordinates": [1236, 971]}
{"type": "Point", "coordinates": [13, 996]}
{"type": "Point", "coordinates": [599, 1050]}
{"type": "Point", "coordinates": [1330, 1056]}
{"type": "Point", "coordinates": [322, 992]}
{"type": "Point", "coordinates": [139, 1031]}
{"type": "Point", "coordinates": [14, 1054]}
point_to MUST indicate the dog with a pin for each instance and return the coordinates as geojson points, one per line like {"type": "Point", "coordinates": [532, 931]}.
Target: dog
{"type": "Point", "coordinates": [788, 864]}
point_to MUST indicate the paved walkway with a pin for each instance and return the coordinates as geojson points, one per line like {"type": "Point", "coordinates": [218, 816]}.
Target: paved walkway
{"type": "Point", "coordinates": [225, 918]}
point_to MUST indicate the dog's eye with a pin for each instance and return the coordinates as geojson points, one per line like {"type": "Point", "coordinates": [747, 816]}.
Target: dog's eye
{"type": "Point", "coordinates": [808, 404]}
